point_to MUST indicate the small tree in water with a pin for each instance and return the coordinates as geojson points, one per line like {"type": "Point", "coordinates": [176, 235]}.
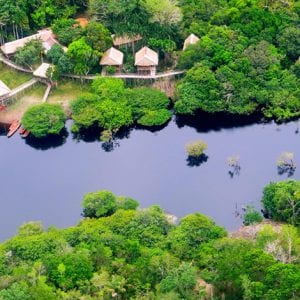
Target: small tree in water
{"type": "Point", "coordinates": [251, 216]}
{"type": "Point", "coordinates": [234, 163]}
{"type": "Point", "coordinates": [286, 163]}
{"type": "Point", "coordinates": [196, 148]}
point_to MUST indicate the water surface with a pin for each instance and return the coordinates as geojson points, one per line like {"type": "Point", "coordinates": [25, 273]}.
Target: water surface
{"type": "Point", "coordinates": [46, 181]}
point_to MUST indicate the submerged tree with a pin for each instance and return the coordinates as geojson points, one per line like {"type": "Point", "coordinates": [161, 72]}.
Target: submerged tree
{"type": "Point", "coordinates": [234, 163]}
{"type": "Point", "coordinates": [195, 148]}
{"type": "Point", "coordinates": [286, 163]}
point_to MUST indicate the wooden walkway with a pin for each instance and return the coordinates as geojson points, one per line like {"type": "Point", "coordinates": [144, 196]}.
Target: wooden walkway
{"type": "Point", "coordinates": [22, 87]}
{"type": "Point", "coordinates": [128, 76]}
{"type": "Point", "coordinates": [47, 92]}
{"type": "Point", "coordinates": [13, 65]}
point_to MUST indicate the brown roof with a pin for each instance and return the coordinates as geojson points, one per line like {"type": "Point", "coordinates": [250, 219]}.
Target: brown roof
{"type": "Point", "coordinates": [41, 71]}
{"type": "Point", "coordinates": [146, 57]}
{"type": "Point", "coordinates": [4, 89]}
{"type": "Point", "coordinates": [125, 39]}
{"type": "Point", "coordinates": [112, 57]}
{"type": "Point", "coordinates": [190, 40]}
{"type": "Point", "coordinates": [45, 35]}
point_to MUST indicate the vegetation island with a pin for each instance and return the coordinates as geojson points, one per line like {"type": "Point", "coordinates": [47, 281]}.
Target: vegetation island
{"type": "Point", "coordinates": [114, 64]}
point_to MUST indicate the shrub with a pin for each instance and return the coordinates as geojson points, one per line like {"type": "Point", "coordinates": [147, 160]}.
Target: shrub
{"type": "Point", "coordinates": [44, 119]}
{"type": "Point", "coordinates": [155, 117]}
{"type": "Point", "coordinates": [251, 216]}
{"type": "Point", "coordinates": [196, 148]}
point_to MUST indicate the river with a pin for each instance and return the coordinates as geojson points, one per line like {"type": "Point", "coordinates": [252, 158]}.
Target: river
{"type": "Point", "coordinates": [47, 180]}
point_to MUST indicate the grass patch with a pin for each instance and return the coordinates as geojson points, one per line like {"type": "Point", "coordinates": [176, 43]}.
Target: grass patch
{"type": "Point", "coordinates": [67, 90]}
{"type": "Point", "coordinates": [11, 77]}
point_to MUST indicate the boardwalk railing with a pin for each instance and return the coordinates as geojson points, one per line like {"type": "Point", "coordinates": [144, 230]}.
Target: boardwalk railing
{"type": "Point", "coordinates": [128, 76]}
{"type": "Point", "coordinates": [13, 65]}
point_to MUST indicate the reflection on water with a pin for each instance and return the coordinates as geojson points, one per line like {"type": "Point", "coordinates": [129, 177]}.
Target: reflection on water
{"type": "Point", "coordinates": [150, 166]}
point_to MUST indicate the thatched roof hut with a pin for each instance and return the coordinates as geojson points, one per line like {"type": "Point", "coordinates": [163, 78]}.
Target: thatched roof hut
{"type": "Point", "coordinates": [41, 71]}
{"type": "Point", "coordinates": [190, 40]}
{"type": "Point", "coordinates": [112, 57]}
{"type": "Point", "coordinates": [146, 61]}
{"type": "Point", "coordinates": [4, 89]}
{"type": "Point", "coordinates": [146, 57]}
{"type": "Point", "coordinates": [45, 35]}
{"type": "Point", "coordinates": [125, 39]}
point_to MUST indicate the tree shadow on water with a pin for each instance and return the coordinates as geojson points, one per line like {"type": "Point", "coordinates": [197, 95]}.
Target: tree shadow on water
{"type": "Point", "coordinates": [288, 170]}
{"type": "Point", "coordinates": [51, 141]}
{"type": "Point", "coordinates": [193, 161]}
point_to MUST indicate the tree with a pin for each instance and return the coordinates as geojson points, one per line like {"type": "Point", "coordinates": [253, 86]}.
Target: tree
{"type": "Point", "coordinates": [82, 56]}
{"type": "Point", "coordinates": [108, 88]}
{"type": "Point", "coordinates": [85, 110]}
{"type": "Point", "coordinates": [251, 216]}
{"type": "Point", "coordinates": [44, 119]}
{"type": "Point", "coordinates": [66, 30]}
{"type": "Point", "coordinates": [113, 115]}
{"type": "Point", "coordinates": [195, 148]}
{"type": "Point", "coordinates": [155, 117]}
{"type": "Point", "coordinates": [163, 11]}
{"type": "Point", "coordinates": [289, 41]}
{"type": "Point", "coordinates": [199, 90]}
{"type": "Point", "coordinates": [149, 106]}
{"type": "Point", "coordinates": [97, 36]}
{"type": "Point", "coordinates": [31, 228]}
{"type": "Point", "coordinates": [30, 54]}
{"type": "Point", "coordinates": [99, 204]}
{"type": "Point", "coordinates": [55, 53]}
{"type": "Point", "coordinates": [193, 231]}
{"type": "Point", "coordinates": [281, 201]}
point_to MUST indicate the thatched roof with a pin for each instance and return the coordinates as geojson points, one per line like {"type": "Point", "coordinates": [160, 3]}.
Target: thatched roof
{"type": "Point", "coordinates": [146, 57]}
{"type": "Point", "coordinates": [112, 57]}
{"type": "Point", "coordinates": [125, 39]}
{"type": "Point", "coordinates": [41, 71]}
{"type": "Point", "coordinates": [190, 40]}
{"type": "Point", "coordinates": [4, 89]}
{"type": "Point", "coordinates": [46, 36]}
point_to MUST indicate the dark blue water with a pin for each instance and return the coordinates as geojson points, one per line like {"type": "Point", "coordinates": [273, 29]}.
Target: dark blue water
{"type": "Point", "coordinates": [47, 180]}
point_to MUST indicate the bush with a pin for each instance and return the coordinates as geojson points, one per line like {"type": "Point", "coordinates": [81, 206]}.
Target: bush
{"type": "Point", "coordinates": [251, 216]}
{"type": "Point", "coordinates": [155, 117]}
{"type": "Point", "coordinates": [99, 204]}
{"type": "Point", "coordinates": [196, 148]}
{"type": "Point", "coordinates": [281, 201]}
{"type": "Point", "coordinates": [44, 119]}
{"type": "Point", "coordinates": [143, 100]}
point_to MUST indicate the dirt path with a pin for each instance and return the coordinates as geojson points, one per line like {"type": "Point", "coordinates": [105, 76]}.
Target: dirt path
{"type": "Point", "coordinates": [17, 109]}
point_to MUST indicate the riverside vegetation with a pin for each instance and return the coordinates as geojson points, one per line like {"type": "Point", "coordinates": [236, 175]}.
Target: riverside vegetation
{"type": "Point", "coordinates": [120, 252]}
{"type": "Point", "coordinates": [246, 61]}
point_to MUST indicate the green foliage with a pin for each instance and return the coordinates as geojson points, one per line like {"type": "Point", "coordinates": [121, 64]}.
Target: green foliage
{"type": "Point", "coordinates": [30, 228]}
{"type": "Point", "coordinates": [83, 57]}
{"type": "Point", "coordinates": [155, 118]}
{"type": "Point", "coordinates": [69, 270]}
{"type": "Point", "coordinates": [66, 31]}
{"type": "Point", "coordinates": [251, 216]}
{"type": "Point", "coordinates": [281, 201]}
{"type": "Point", "coordinates": [85, 110]}
{"type": "Point", "coordinates": [195, 148]}
{"type": "Point", "coordinates": [55, 53]}
{"type": "Point", "coordinates": [97, 36]}
{"type": "Point", "coordinates": [99, 204]}
{"type": "Point", "coordinates": [193, 231]}
{"type": "Point", "coordinates": [113, 115]}
{"type": "Point", "coordinates": [44, 119]}
{"type": "Point", "coordinates": [108, 88]}
{"type": "Point", "coordinates": [149, 106]}
{"type": "Point", "coordinates": [30, 54]}
{"type": "Point", "coordinates": [137, 254]}
{"type": "Point", "coordinates": [199, 90]}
